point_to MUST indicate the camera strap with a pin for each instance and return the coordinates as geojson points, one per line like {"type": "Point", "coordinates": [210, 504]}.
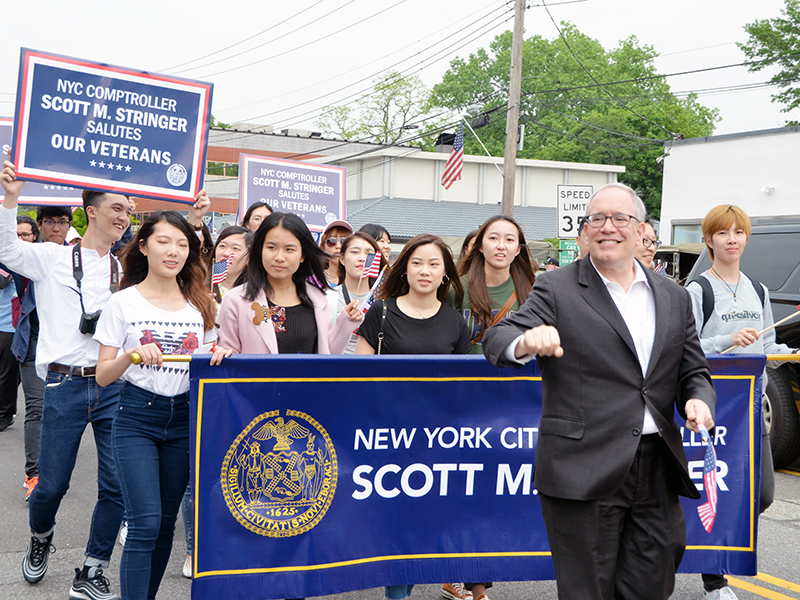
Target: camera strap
{"type": "Point", "coordinates": [77, 272]}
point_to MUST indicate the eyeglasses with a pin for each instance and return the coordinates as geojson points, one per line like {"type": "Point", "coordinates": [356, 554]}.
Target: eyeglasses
{"type": "Point", "coordinates": [618, 220]}
{"type": "Point", "coordinates": [331, 242]}
{"type": "Point", "coordinates": [25, 236]}
{"type": "Point", "coordinates": [59, 223]}
{"type": "Point", "coordinates": [648, 242]}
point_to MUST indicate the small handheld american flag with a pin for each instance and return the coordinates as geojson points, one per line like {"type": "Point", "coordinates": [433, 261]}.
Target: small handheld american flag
{"type": "Point", "coordinates": [372, 267]}
{"type": "Point", "coordinates": [220, 271]}
{"type": "Point", "coordinates": [708, 511]}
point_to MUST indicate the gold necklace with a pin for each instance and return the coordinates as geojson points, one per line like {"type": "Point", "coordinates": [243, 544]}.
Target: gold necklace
{"type": "Point", "coordinates": [421, 316]}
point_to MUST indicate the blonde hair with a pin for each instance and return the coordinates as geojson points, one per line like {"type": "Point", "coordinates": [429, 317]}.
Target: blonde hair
{"type": "Point", "coordinates": [722, 217]}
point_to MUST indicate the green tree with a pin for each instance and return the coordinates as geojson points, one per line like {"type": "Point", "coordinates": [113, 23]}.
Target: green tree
{"type": "Point", "coordinates": [568, 116]}
{"type": "Point", "coordinates": [215, 123]}
{"type": "Point", "coordinates": [79, 221]}
{"type": "Point", "coordinates": [776, 42]}
{"type": "Point", "coordinates": [392, 111]}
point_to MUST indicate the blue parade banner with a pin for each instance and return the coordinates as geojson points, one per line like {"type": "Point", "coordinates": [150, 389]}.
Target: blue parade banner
{"type": "Point", "coordinates": [315, 193]}
{"type": "Point", "coordinates": [91, 125]}
{"type": "Point", "coordinates": [38, 193]}
{"type": "Point", "coordinates": [324, 474]}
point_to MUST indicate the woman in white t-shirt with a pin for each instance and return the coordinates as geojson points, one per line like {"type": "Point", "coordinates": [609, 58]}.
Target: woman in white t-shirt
{"type": "Point", "coordinates": [163, 308]}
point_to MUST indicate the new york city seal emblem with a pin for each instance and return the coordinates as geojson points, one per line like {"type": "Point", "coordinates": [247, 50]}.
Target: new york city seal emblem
{"type": "Point", "coordinates": [279, 475]}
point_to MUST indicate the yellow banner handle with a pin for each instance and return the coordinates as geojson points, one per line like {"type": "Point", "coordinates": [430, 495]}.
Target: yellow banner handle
{"type": "Point", "coordinates": [785, 357]}
{"type": "Point", "coordinates": [136, 359]}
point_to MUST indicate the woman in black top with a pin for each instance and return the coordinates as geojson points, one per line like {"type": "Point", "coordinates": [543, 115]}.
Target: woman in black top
{"type": "Point", "coordinates": [417, 319]}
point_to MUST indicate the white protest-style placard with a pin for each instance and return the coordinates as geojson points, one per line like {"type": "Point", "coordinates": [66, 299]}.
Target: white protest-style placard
{"type": "Point", "coordinates": [572, 200]}
{"type": "Point", "coordinates": [91, 125]}
{"type": "Point", "coordinates": [313, 192]}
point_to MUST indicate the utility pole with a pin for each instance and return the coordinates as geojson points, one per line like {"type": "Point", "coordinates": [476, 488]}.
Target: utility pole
{"type": "Point", "coordinates": [512, 116]}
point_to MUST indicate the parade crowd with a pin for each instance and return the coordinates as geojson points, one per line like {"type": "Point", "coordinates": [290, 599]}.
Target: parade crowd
{"type": "Point", "coordinates": [617, 344]}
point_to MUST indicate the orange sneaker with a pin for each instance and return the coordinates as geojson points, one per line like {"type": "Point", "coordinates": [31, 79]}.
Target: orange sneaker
{"type": "Point", "coordinates": [30, 484]}
{"type": "Point", "coordinates": [455, 591]}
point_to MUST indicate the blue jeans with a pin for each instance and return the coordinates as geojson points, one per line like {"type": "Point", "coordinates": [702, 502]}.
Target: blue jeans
{"type": "Point", "coordinates": [398, 592]}
{"type": "Point", "coordinates": [70, 404]}
{"type": "Point", "coordinates": [187, 508]}
{"type": "Point", "coordinates": [151, 449]}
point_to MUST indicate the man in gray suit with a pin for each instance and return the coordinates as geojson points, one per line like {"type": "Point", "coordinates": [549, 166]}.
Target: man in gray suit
{"type": "Point", "coordinates": [618, 352]}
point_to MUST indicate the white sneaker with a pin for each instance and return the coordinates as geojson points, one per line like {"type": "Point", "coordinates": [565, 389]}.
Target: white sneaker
{"type": "Point", "coordinates": [724, 593]}
{"type": "Point", "coordinates": [123, 534]}
{"type": "Point", "coordinates": [187, 567]}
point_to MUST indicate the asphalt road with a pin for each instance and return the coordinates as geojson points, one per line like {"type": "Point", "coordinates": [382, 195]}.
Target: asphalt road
{"type": "Point", "coordinates": [779, 542]}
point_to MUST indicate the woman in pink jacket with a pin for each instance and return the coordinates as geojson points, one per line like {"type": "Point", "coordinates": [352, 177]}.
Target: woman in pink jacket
{"type": "Point", "coordinates": [282, 308]}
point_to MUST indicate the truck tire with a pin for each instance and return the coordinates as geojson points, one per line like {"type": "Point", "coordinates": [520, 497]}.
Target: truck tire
{"type": "Point", "coordinates": [781, 417]}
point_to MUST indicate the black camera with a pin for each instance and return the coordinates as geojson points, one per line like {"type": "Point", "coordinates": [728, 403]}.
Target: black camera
{"type": "Point", "coordinates": [89, 322]}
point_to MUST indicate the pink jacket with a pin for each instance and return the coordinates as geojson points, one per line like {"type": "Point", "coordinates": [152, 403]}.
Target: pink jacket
{"type": "Point", "coordinates": [238, 330]}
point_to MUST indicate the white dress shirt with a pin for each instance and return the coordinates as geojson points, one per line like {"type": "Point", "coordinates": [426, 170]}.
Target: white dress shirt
{"type": "Point", "coordinates": [57, 300]}
{"type": "Point", "coordinates": [638, 310]}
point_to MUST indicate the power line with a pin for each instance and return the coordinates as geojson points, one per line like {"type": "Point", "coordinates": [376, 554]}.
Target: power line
{"type": "Point", "coordinates": [361, 66]}
{"type": "Point", "coordinates": [660, 76]}
{"type": "Point", "coordinates": [480, 31]}
{"type": "Point", "coordinates": [297, 14]}
{"type": "Point", "coordinates": [487, 28]}
{"type": "Point", "coordinates": [593, 78]}
{"type": "Point", "coordinates": [700, 48]}
{"type": "Point", "coordinates": [307, 44]}
{"type": "Point", "coordinates": [600, 128]}
{"type": "Point", "coordinates": [588, 141]}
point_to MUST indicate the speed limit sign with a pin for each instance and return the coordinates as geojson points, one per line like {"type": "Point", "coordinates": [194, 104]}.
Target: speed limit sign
{"type": "Point", "coordinates": [572, 200]}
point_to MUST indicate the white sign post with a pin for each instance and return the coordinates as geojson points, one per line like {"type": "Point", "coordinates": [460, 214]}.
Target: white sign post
{"type": "Point", "coordinates": [572, 200]}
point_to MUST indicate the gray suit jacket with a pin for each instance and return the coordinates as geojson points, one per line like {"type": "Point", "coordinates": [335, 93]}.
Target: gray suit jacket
{"type": "Point", "coordinates": [594, 396]}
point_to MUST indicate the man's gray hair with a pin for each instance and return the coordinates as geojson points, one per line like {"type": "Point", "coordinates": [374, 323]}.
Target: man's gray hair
{"type": "Point", "coordinates": [639, 211]}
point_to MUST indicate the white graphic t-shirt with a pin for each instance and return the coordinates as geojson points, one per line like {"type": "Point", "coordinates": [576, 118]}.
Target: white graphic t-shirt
{"type": "Point", "coordinates": [128, 320]}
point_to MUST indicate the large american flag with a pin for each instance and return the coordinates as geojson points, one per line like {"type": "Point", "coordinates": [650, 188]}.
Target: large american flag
{"type": "Point", "coordinates": [220, 271]}
{"type": "Point", "coordinates": [708, 511]}
{"type": "Point", "coordinates": [455, 164]}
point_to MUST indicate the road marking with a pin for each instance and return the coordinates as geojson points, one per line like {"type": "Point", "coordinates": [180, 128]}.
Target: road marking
{"type": "Point", "coordinates": [788, 472]}
{"type": "Point", "coordinates": [793, 587]}
{"type": "Point", "coordinates": [754, 589]}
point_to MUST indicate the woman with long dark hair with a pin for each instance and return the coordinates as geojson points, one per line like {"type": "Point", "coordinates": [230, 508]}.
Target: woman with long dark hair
{"type": "Point", "coordinates": [497, 276]}
{"type": "Point", "coordinates": [282, 308]}
{"type": "Point", "coordinates": [413, 318]}
{"type": "Point", "coordinates": [381, 235]}
{"type": "Point", "coordinates": [163, 308]}
{"type": "Point", "coordinates": [418, 321]}
{"type": "Point", "coordinates": [255, 214]}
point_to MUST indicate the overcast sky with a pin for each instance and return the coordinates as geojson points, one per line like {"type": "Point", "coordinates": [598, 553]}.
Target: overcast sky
{"type": "Point", "coordinates": [293, 77]}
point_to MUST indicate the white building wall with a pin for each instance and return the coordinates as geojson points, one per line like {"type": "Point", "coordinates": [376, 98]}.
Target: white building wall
{"type": "Point", "coordinates": [397, 174]}
{"type": "Point", "coordinates": [756, 171]}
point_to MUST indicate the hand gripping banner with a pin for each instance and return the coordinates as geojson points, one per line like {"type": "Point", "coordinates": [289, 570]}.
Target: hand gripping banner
{"type": "Point", "coordinates": [323, 474]}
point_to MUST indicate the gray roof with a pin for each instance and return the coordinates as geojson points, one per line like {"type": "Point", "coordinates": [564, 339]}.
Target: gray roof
{"type": "Point", "coordinates": [407, 217]}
